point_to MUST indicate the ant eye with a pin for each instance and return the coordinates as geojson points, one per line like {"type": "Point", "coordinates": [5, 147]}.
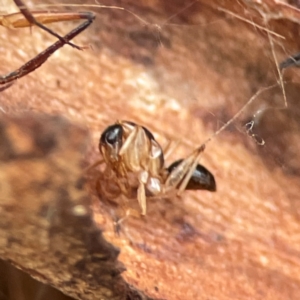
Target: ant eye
{"type": "Point", "coordinates": [201, 179]}
{"type": "Point", "coordinates": [112, 135]}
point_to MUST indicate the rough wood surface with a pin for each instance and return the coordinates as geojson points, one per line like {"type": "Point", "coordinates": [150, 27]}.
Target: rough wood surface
{"type": "Point", "coordinates": [46, 226]}
{"type": "Point", "coordinates": [182, 75]}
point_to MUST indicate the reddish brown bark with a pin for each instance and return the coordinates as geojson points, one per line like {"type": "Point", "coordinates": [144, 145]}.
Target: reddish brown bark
{"type": "Point", "coordinates": [181, 79]}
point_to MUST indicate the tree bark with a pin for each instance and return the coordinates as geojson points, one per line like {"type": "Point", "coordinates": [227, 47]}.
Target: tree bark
{"type": "Point", "coordinates": [182, 69]}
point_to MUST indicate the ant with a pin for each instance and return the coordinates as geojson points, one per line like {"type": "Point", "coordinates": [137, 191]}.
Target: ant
{"type": "Point", "coordinates": [25, 18]}
{"type": "Point", "coordinates": [128, 148]}
{"type": "Point", "coordinates": [131, 149]}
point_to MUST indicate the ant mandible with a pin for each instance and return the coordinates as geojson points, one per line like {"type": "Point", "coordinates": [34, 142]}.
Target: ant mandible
{"type": "Point", "coordinates": [26, 18]}
{"type": "Point", "coordinates": [128, 148]}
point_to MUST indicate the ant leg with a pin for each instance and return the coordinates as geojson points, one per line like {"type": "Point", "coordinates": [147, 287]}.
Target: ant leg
{"type": "Point", "coordinates": [93, 166]}
{"type": "Point", "coordinates": [129, 213]}
{"type": "Point", "coordinates": [32, 20]}
{"type": "Point", "coordinates": [37, 61]}
{"type": "Point", "coordinates": [102, 184]}
{"type": "Point", "coordinates": [170, 147]}
{"type": "Point", "coordinates": [124, 188]}
{"type": "Point", "coordinates": [141, 192]}
{"type": "Point", "coordinates": [105, 195]}
{"type": "Point", "coordinates": [136, 148]}
{"type": "Point", "coordinates": [127, 143]}
{"type": "Point", "coordinates": [195, 158]}
{"type": "Point", "coordinates": [183, 172]}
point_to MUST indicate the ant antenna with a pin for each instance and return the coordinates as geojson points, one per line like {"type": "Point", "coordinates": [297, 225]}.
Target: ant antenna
{"type": "Point", "coordinates": [258, 93]}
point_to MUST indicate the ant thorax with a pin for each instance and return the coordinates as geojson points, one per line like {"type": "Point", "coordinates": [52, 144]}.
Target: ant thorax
{"type": "Point", "coordinates": [127, 147]}
{"type": "Point", "coordinates": [135, 160]}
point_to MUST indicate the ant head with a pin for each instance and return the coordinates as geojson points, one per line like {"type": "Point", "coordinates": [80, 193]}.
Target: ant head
{"type": "Point", "coordinates": [201, 179]}
{"type": "Point", "coordinates": [111, 142]}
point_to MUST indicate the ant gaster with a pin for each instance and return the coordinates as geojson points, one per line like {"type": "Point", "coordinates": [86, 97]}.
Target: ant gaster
{"type": "Point", "coordinates": [128, 148]}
